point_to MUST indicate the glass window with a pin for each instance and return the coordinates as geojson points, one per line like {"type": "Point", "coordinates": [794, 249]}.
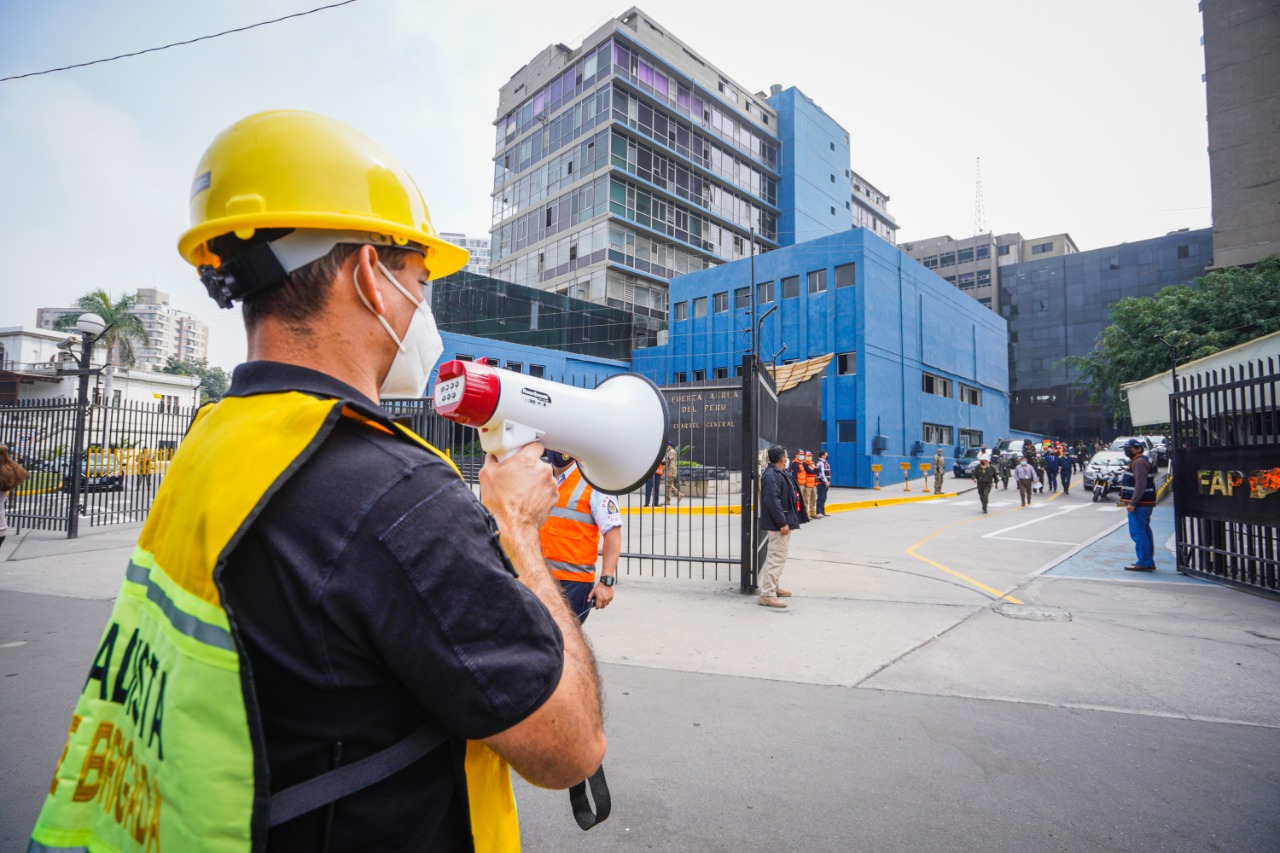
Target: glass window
{"type": "Point", "coordinates": [722, 373]}
{"type": "Point", "coordinates": [935, 385]}
{"type": "Point", "coordinates": [845, 275]}
{"type": "Point", "coordinates": [1002, 250]}
{"type": "Point", "coordinates": [720, 302]}
{"type": "Point", "coordinates": [537, 370]}
{"type": "Point", "coordinates": [970, 438]}
{"type": "Point", "coordinates": [462, 357]}
{"type": "Point", "coordinates": [846, 431]}
{"type": "Point", "coordinates": [700, 307]}
{"type": "Point", "coordinates": [1042, 248]}
{"type": "Point", "coordinates": [846, 364]}
{"type": "Point", "coordinates": [791, 287]}
{"type": "Point", "coordinates": [742, 297]}
{"type": "Point", "coordinates": [817, 281]}
{"type": "Point", "coordinates": [515, 366]}
{"type": "Point", "coordinates": [682, 376]}
{"type": "Point", "coordinates": [700, 376]}
{"type": "Point", "coordinates": [764, 292]}
{"type": "Point", "coordinates": [970, 395]}
{"type": "Point", "coordinates": [682, 310]}
{"type": "Point", "coordinates": [936, 434]}
{"type": "Point", "coordinates": [947, 259]}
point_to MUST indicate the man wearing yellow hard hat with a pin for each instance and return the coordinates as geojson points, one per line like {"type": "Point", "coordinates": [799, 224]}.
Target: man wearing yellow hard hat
{"type": "Point", "coordinates": [323, 641]}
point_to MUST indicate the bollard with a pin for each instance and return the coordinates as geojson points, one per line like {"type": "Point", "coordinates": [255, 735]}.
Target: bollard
{"type": "Point", "coordinates": [875, 469]}
{"type": "Point", "coordinates": [906, 475]}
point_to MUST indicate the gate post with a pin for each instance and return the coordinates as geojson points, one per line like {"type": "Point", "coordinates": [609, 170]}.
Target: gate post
{"type": "Point", "coordinates": [750, 433]}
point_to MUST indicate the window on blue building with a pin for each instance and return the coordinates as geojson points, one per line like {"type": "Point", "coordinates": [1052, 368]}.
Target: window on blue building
{"type": "Point", "coordinates": [970, 395]}
{"type": "Point", "coordinates": [700, 376]}
{"type": "Point", "coordinates": [722, 373]}
{"type": "Point", "coordinates": [846, 364]}
{"type": "Point", "coordinates": [937, 385]}
{"type": "Point", "coordinates": [682, 377]}
{"type": "Point", "coordinates": [720, 302]}
{"type": "Point", "coordinates": [537, 370]}
{"type": "Point", "coordinates": [764, 292]}
{"type": "Point", "coordinates": [742, 297]}
{"type": "Point", "coordinates": [461, 357]}
{"type": "Point", "coordinates": [791, 287]}
{"type": "Point", "coordinates": [846, 275]}
{"type": "Point", "coordinates": [936, 434]}
{"type": "Point", "coordinates": [970, 438]}
{"type": "Point", "coordinates": [682, 310]}
{"type": "Point", "coordinates": [700, 307]}
{"type": "Point", "coordinates": [846, 431]}
{"type": "Point", "coordinates": [515, 367]}
{"type": "Point", "coordinates": [817, 281]}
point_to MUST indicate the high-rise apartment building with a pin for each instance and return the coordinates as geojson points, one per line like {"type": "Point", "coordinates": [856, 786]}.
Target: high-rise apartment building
{"type": "Point", "coordinates": [871, 210]}
{"type": "Point", "coordinates": [477, 246]}
{"type": "Point", "coordinates": [1242, 95]}
{"type": "Point", "coordinates": [973, 263]}
{"type": "Point", "coordinates": [624, 162]}
{"type": "Point", "coordinates": [172, 332]}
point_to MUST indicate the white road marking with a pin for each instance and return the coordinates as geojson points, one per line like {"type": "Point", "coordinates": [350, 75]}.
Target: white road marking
{"type": "Point", "coordinates": [995, 533]}
{"type": "Point", "coordinates": [1110, 508]}
{"type": "Point", "coordinates": [1038, 541]}
{"type": "Point", "coordinates": [13, 644]}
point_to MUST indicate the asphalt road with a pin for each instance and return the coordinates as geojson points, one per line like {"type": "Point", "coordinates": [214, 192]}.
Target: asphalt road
{"type": "Point", "coordinates": [944, 680]}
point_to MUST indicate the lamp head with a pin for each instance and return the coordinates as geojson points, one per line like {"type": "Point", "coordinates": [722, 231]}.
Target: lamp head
{"type": "Point", "coordinates": [91, 324]}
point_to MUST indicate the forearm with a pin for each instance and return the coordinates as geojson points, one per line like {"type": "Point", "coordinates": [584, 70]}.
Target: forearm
{"type": "Point", "coordinates": [562, 742]}
{"type": "Point", "coordinates": [610, 551]}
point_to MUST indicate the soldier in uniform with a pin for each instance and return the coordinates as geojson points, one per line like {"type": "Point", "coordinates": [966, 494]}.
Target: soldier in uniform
{"type": "Point", "coordinates": [1003, 466]}
{"type": "Point", "coordinates": [938, 464]}
{"type": "Point", "coordinates": [985, 476]}
{"type": "Point", "coordinates": [670, 471]}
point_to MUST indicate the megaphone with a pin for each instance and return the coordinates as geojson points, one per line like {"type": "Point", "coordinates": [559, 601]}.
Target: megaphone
{"type": "Point", "coordinates": [617, 432]}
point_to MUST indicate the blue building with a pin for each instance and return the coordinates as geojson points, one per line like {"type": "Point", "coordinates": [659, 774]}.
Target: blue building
{"type": "Point", "coordinates": [896, 361]}
{"type": "Point", "coordinates": [814, 175]}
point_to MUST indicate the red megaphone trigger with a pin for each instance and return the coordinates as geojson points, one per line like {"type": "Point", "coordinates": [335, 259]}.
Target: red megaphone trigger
{"type": "Point", "coordinates": [467, 393]}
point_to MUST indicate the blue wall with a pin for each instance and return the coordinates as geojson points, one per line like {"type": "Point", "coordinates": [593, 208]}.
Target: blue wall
{"type": "Point", "coordinates": [899, 319]}
{"type": "Point", "coordinates": [814, 184]}
{"type": "Point", "coordinates": [582, 370]}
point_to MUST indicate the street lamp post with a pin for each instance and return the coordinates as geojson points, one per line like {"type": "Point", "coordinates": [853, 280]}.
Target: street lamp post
{"type": "Point", "coordinates": [91, 327]}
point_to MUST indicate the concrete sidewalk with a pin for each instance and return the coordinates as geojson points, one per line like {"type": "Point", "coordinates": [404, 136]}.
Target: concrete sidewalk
{"type": "Point", "coordinates": [892, 707]}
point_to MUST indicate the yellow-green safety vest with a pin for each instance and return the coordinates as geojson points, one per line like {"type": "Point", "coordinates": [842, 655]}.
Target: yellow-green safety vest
{"type": "Point", "coordinates": [165, 751]}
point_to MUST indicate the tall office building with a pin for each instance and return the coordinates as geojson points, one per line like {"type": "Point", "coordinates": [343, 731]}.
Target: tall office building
{"type": "Point", "coordinates": [973, 263]}
{"type": "Point", "coordinates": [172, 332]}
{"type": "Point", "coordinates": [1242, 95]}
{"type": "Point", "coordinates": [477, 246]}
{"type": "Point", "coordinates": [871, 210]}
{"type": "Point", "coordinates": [624, 162]}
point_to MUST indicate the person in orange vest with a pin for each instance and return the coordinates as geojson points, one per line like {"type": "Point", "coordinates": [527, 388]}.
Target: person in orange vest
{"type": "Point", "coordinates": [809, 486]}
{"type": "Point", "coordinates": [653, 485]}
{"type": "Point", "coordinates": [571, 536]}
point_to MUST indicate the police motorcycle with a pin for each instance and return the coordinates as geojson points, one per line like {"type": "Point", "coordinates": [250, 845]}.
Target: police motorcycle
{"type": "Point", "coordinates": [1105, 483]}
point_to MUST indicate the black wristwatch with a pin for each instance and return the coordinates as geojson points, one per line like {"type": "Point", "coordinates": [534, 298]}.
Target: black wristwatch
{"type": "Point", "coordinates": [608, 580]}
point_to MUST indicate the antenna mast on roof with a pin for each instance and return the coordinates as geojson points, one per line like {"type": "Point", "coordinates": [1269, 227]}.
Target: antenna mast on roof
{"type": "Point", "coordinates": [979, 213]}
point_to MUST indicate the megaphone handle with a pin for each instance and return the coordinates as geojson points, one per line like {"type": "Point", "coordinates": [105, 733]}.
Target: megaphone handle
{"type": "Point", "coordinates": [505, 439]}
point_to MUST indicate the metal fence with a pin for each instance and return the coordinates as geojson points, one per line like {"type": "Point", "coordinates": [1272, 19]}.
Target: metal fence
{"type": "Point", "coordinates": [125, 454]}
{"type": "Point", "coordinates": [1226, 472]}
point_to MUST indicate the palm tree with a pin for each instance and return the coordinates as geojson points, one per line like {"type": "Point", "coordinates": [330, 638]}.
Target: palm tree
{"type": "Point", "coordinates": [123, 330]}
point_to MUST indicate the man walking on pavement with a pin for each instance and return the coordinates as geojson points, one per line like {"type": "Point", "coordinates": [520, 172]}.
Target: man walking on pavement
{"type": "Point", "coordinates": [1064, 470]}
{"type": "Point", "coordinates": [581, 520]}
{"type": "Point", "coordinates": [1025, 476]}
{"type": "Point", "coordinates": [670, 471]}
{"type": "Point", "coordinates": [1138, 494]}
{"type": "Point", "coordinates": [939, 463]}
{"type": "Point", "coordinates": [985, 476]}
{"type": "Point", "coordinates": [823, 467]}
{"type": "Point", "coordinates": [781, 512]}
{"type": "Point", "coordinates": [1002, 468]}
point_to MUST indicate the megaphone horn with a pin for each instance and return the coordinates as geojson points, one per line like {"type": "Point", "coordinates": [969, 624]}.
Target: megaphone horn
{"type": "Point", "coordinates": [617, 432]}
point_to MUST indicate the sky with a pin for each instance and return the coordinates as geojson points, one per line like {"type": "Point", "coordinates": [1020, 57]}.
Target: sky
{"type": "Point", "coordinates": [1088, 117]}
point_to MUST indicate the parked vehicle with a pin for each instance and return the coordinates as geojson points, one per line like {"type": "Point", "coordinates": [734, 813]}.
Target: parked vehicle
{"type": "Point", "coordinates": [966, 462]}
{"type": "Point", "coordinates": [1011, 448]}
{"type": "Point", "coordinates": [1160, 443]}
{"type": "Point", "coordinates": [1119, 443]}
{"type": "Point", "coordinates": [1103, 464]}
{"type": "Point", "coordinates": [1104, 484]}
{"type": "Point", "coordinates": [95, 476]}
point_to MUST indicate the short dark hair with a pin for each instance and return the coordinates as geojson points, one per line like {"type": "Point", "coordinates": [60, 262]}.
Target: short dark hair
{"type": "Point", "coordinates": [776, 453]}
{"type": "Point", "coordinates": [304, 292]}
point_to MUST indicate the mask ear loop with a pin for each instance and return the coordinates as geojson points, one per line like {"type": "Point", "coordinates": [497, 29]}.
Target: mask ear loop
{"type": "Point", "coordinates": [355, 275]}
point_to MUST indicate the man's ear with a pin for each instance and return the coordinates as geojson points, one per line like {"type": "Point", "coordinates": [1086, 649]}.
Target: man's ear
{"type": "Point", "coordinates": [365, 273]}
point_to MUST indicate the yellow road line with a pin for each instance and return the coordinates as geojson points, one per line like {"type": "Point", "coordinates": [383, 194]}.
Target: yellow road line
{"type": "Point", "coordinates": [979, 584]}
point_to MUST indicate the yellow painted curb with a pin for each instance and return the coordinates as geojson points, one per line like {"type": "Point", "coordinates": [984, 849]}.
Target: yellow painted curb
{"type": "Point", "coordinates": [734, 509]}
{"type": "Point", "coordinates": [854, 505]}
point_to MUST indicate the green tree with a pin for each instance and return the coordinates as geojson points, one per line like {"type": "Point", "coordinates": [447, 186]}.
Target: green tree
{"type": "Point", "coordinates": [214, 381]}
{"type": "Point", "coordinates": [1218, 311]}
{"type": "Point", "coordinates": [124, 329]}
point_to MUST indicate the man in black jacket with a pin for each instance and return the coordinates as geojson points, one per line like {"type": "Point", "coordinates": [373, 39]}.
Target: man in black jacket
{"type": "Point", "coordinates": [781, 511]}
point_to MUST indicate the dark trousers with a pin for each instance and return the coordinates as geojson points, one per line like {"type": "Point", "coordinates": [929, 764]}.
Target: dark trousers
{"type": "Point", "coordinates": [1066, 481]}
{"type": "Point", "coordinates": [1053, 481]}
{"type": "Point", "coordinates": [822, 498]}
{"type": "Point", "coordinates": [652, 490]}
{"type": "Point", "coordinates": [984, 492]}
{"type": "Point", "coordinates": [1024, 491]}
{"type": "Point", "coordinates": [578, 593]}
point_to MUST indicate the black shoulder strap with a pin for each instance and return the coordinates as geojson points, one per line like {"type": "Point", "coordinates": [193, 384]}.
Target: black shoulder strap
{"type": "Point", "coordinates": [321, 790]}
{"type": "Point", "coordinates": [582, 808]}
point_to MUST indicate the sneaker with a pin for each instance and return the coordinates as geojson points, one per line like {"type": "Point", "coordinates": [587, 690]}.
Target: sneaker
{"type": "Point", "coordinates": [771, 601]}
{"type": "Point", "coordinates": [782, 593]}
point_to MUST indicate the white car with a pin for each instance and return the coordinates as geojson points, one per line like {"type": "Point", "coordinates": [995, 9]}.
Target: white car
{"type": "Point", "coordinates": [1103, 463]}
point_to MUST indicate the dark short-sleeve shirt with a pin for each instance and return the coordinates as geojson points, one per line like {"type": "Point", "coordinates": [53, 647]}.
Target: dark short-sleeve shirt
{"type": "Point", "coordinates": [372, 597]}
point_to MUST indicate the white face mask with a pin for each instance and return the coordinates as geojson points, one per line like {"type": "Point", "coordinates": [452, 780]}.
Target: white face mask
{"type": "Point", "coordinates": [417, 353]}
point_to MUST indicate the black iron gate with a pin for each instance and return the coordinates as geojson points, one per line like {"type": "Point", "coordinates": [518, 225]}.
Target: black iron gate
{"type": "Point", "coordinates": [1226, 476]}
{"type": "Point", "coordinates": [688, 522]}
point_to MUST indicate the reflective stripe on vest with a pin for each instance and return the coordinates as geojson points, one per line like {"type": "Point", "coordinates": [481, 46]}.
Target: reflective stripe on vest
{"type": "Point", "coordinates": [570, 534]}
{"type": "Point", "coordinates": [1128, 481]}
{"type": "Point", "coordinates": [164, 749]}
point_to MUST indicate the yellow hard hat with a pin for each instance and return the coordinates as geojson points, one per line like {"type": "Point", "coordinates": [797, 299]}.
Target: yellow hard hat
{"type": "Point", "coordinates": [293, 169]}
